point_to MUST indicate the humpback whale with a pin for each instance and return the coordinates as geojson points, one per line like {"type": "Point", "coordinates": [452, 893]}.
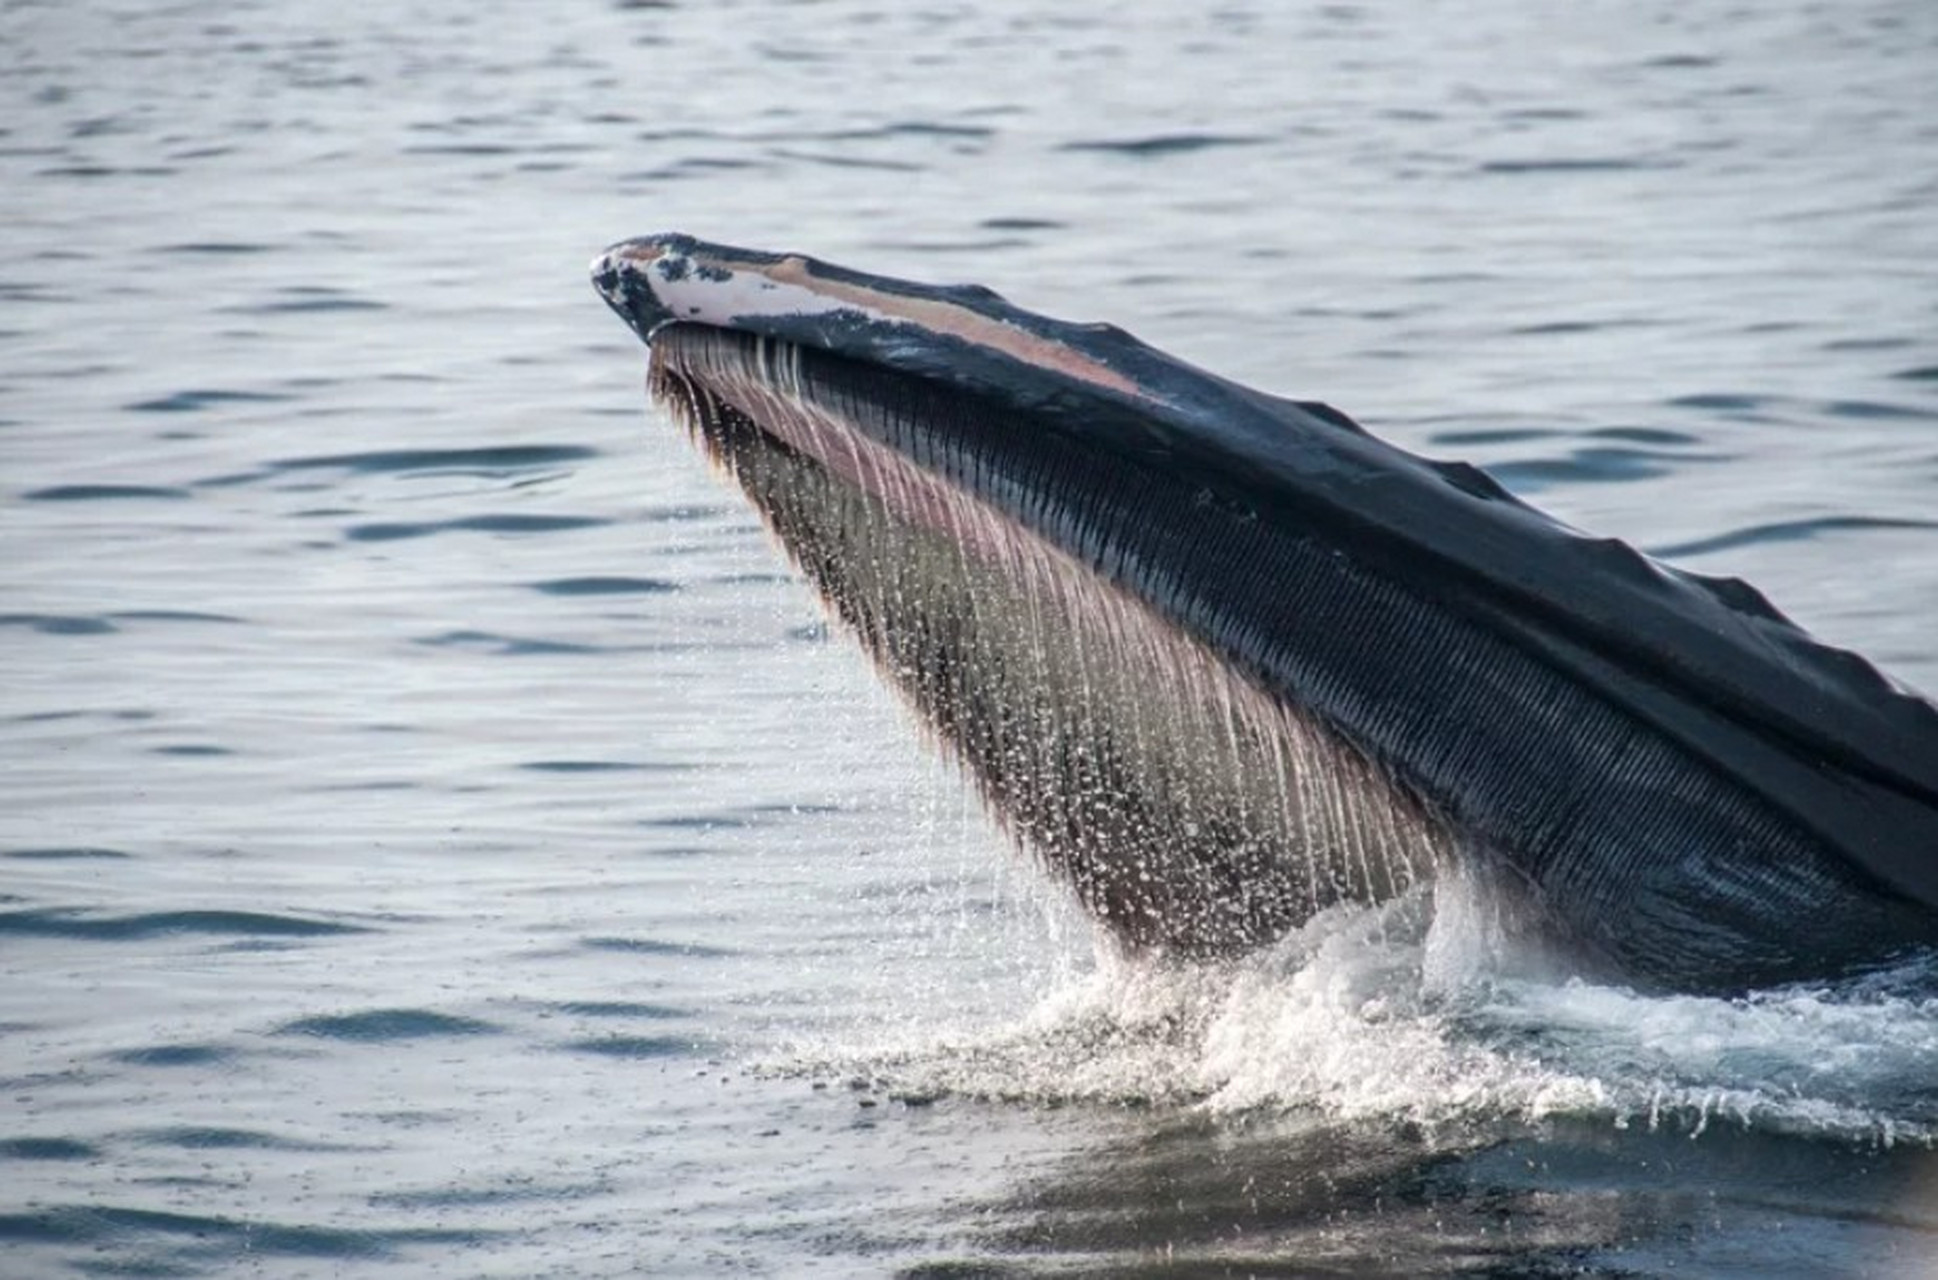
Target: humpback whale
{"type": "Point", "coordinates": [1221, 659]}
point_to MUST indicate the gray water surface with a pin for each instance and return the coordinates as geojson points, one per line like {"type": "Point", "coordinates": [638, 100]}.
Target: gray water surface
{"type": "Point", "coordinates": [438, 836]}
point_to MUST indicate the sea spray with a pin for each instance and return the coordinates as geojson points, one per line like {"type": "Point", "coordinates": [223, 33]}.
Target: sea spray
{"type": "Point", "coordinates": [1441, 1010]}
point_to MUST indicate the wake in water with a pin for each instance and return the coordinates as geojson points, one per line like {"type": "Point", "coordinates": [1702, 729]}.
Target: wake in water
{"type": "Point", "coordinates": [1434, 1010]}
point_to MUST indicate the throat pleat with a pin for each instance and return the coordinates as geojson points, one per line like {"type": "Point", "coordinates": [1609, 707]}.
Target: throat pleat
{"type": "Point", "coordinates": [1190, 808]}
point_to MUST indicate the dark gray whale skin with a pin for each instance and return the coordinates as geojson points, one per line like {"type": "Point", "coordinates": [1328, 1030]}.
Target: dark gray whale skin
{"type": "Point", "coordinates": [1684, 782]}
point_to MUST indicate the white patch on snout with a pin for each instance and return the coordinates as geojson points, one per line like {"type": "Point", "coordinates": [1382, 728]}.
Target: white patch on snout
{"type": "Point", "coordinates": [714, 287]}
{"type": "Point", "coordinates": [708, 292]}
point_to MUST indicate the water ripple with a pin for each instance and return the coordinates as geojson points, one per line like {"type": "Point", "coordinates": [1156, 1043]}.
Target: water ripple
{"type": "Point", "coordinates": [603, 586]}
{"type": "Point", "coordinates": [194, 401]}
{"type": "Point", "coordinates": [1164, 144]}
{"type": "Point", "coordinates": [618, 1009]}
{"type": "Point", "coordinates": [472, 1197]}
{"type": "Point", "coordinates": [505, 646]}
{"type": "Point", "coordinates": [656, 947]}
{"type": "Point", "coordinates": [1021, 224]}
{"type": "Point", "coordinates": [386, 1025]}
{"type": "Point", "coordinates": [1785, 531]}
{"type": "Point", "coordinates": [69, 922]}
{"type": "Point", "coordinates": [848, 162]}
{"type": "Point", "coordinates": [206, 1237]}
{"type": "Point", "coordinates": [1592, 465]}
{"type": "Point", "coordinates": [47, 1149]}
{"type": "Point", "coordinates": [1719, 401]}
{"type": "Point", "coordinates": [633, 1046]}
{"type": "Point", "coordinates": [490, 460]}
{"type": "Point", "coordinates": [53, 624]}
{"type": "Point", "coordinates": [1875, 409]}
{"type": "Point", "coordinates": [101, 492]}
{"type": "Point", "coordinates": [306, 300]}
{"type": "Point", "coordinates": [173, 1055]}
{"type": "Point", "coordinates": [597, 766]}
{"type": "Point", "coordinates": [215, 1138]}
{"type": "Point", "coordinates": [59, 853]}
{"type": "Point", "coordinates": [215, 247]}
{"type": "Point", "coordinates": [501, 523]}
{"type": "Point", "coordinates": [1574, 164]}
{"type": "Point", "coordinates": [172, 615]}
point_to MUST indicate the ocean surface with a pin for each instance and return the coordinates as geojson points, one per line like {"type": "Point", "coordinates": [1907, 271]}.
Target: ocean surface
{"type": "Point", "coordinates": [439, 837]}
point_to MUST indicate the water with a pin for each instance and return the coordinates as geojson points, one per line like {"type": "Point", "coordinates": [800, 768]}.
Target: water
{"type": "Point", "coordinates": [438, 838]}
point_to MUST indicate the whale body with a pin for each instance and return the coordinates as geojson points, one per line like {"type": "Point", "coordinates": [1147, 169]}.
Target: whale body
{"type": "Point", "coordinates": [1221, 659]}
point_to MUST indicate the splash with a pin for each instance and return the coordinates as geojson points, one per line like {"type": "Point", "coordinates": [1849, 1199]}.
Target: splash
{"type": "Point", "coordinates": [1438, 1010]}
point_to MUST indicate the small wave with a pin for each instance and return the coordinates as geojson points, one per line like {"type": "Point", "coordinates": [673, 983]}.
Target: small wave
{"type": "Point", "coordinates": [604, 586]}
{"type": "Point", "coordinates": [194, 401]}
{"type": "Point", "coordinates": [504, 523]}
{"type": "Point", "coordinates": [1602, 464]}
{"type": "Point", "coordinates": [1719, 402]}
{"type": "Point", "coordinates": [1491, 435]}
{"type": "Point", "coordinates": [461, 149]}
{"type": "Point", "coordinates": [215, 247]}
{"type": "Point", "coordinates": [1571, 328]}
{"type": "Point", "coordinates": [1021, 224]}
{"type": "Point", "coordinates": [102, 492]}
{"type": "Point", "coordinates": [634, 1046]}
{"type": "Point", "coordinates": [1574, 164]}
{"type": "Point", "coordinates": [491, 460]}
{"type": "Point", "coordinates": [386, 1026]}
{"type": "Point", "coordinates": [51, 624]}
{"type": "Point", "coordinates": [471, 1197]}
{"type": "Point", "coordinates": [1645, 435]}
{"type": "Point", "coordinates": [63, 852]}
{"type": "Point", "coordinates": [847, 162]}
{"type": "Point", "coordinates": [503, 645]}
{"type": "Point", "coordinates": [154, 1242]}
{"type": "Point", "coordinates": [618, 1009]}
{"type": "Point", "coordinates": [307, 299]}
{"type": "Point", "coordinates": [172, 615]}
{"type": "Point", "coordinates": [1785, 531]}
{"type": "Point", "coordinates": [1682, 62]}
{"type": "Point", "coordinates": [47, 1149]}
{"type": "Point", "coordinates": [593, 766]}
{"type": "Point", "coordinates": [107, 171]}
{"type": "Point", "coordinates": [214, 1138]}
{"type": "Point", "coordinates": [173, 1055]}
{"type": "Point", "coordinates": [657, 947]}
{"type": "Point", "coordinates": [901, 129]}
{"type": "Point", "coordinates": [55, 922]}
{"type": "Point", "coordinates": [1167, 144]}
{"type": "Point", "coordinates": [1875, 409]}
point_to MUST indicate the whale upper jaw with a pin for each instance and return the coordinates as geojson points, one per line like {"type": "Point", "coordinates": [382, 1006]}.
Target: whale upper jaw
{"type": "Point", "coordinates": [654, 280]}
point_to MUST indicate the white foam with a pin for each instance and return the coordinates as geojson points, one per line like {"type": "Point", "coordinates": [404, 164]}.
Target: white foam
{"type": "Point", "coordinates": [1432, 1009]}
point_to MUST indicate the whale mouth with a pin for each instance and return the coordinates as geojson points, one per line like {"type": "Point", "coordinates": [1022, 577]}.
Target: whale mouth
{"type": "Point", "coordinates": [1221, 659]}
{"type": "Point", "coordinates": [1191, 810]}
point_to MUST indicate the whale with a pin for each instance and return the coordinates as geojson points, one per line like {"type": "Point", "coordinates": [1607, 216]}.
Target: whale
{"type": "Point", "coordinates": [1219, 660]}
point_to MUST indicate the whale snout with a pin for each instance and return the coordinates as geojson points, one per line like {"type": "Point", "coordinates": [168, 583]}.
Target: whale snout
{"type": "Point", "coordinates": [608, 280]}
{"type": "Point", "coordinates": [621, 275]}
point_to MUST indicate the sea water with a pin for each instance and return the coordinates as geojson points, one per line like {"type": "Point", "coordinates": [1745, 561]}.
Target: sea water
{"type": "Point", "coordinates": [439, 837]}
